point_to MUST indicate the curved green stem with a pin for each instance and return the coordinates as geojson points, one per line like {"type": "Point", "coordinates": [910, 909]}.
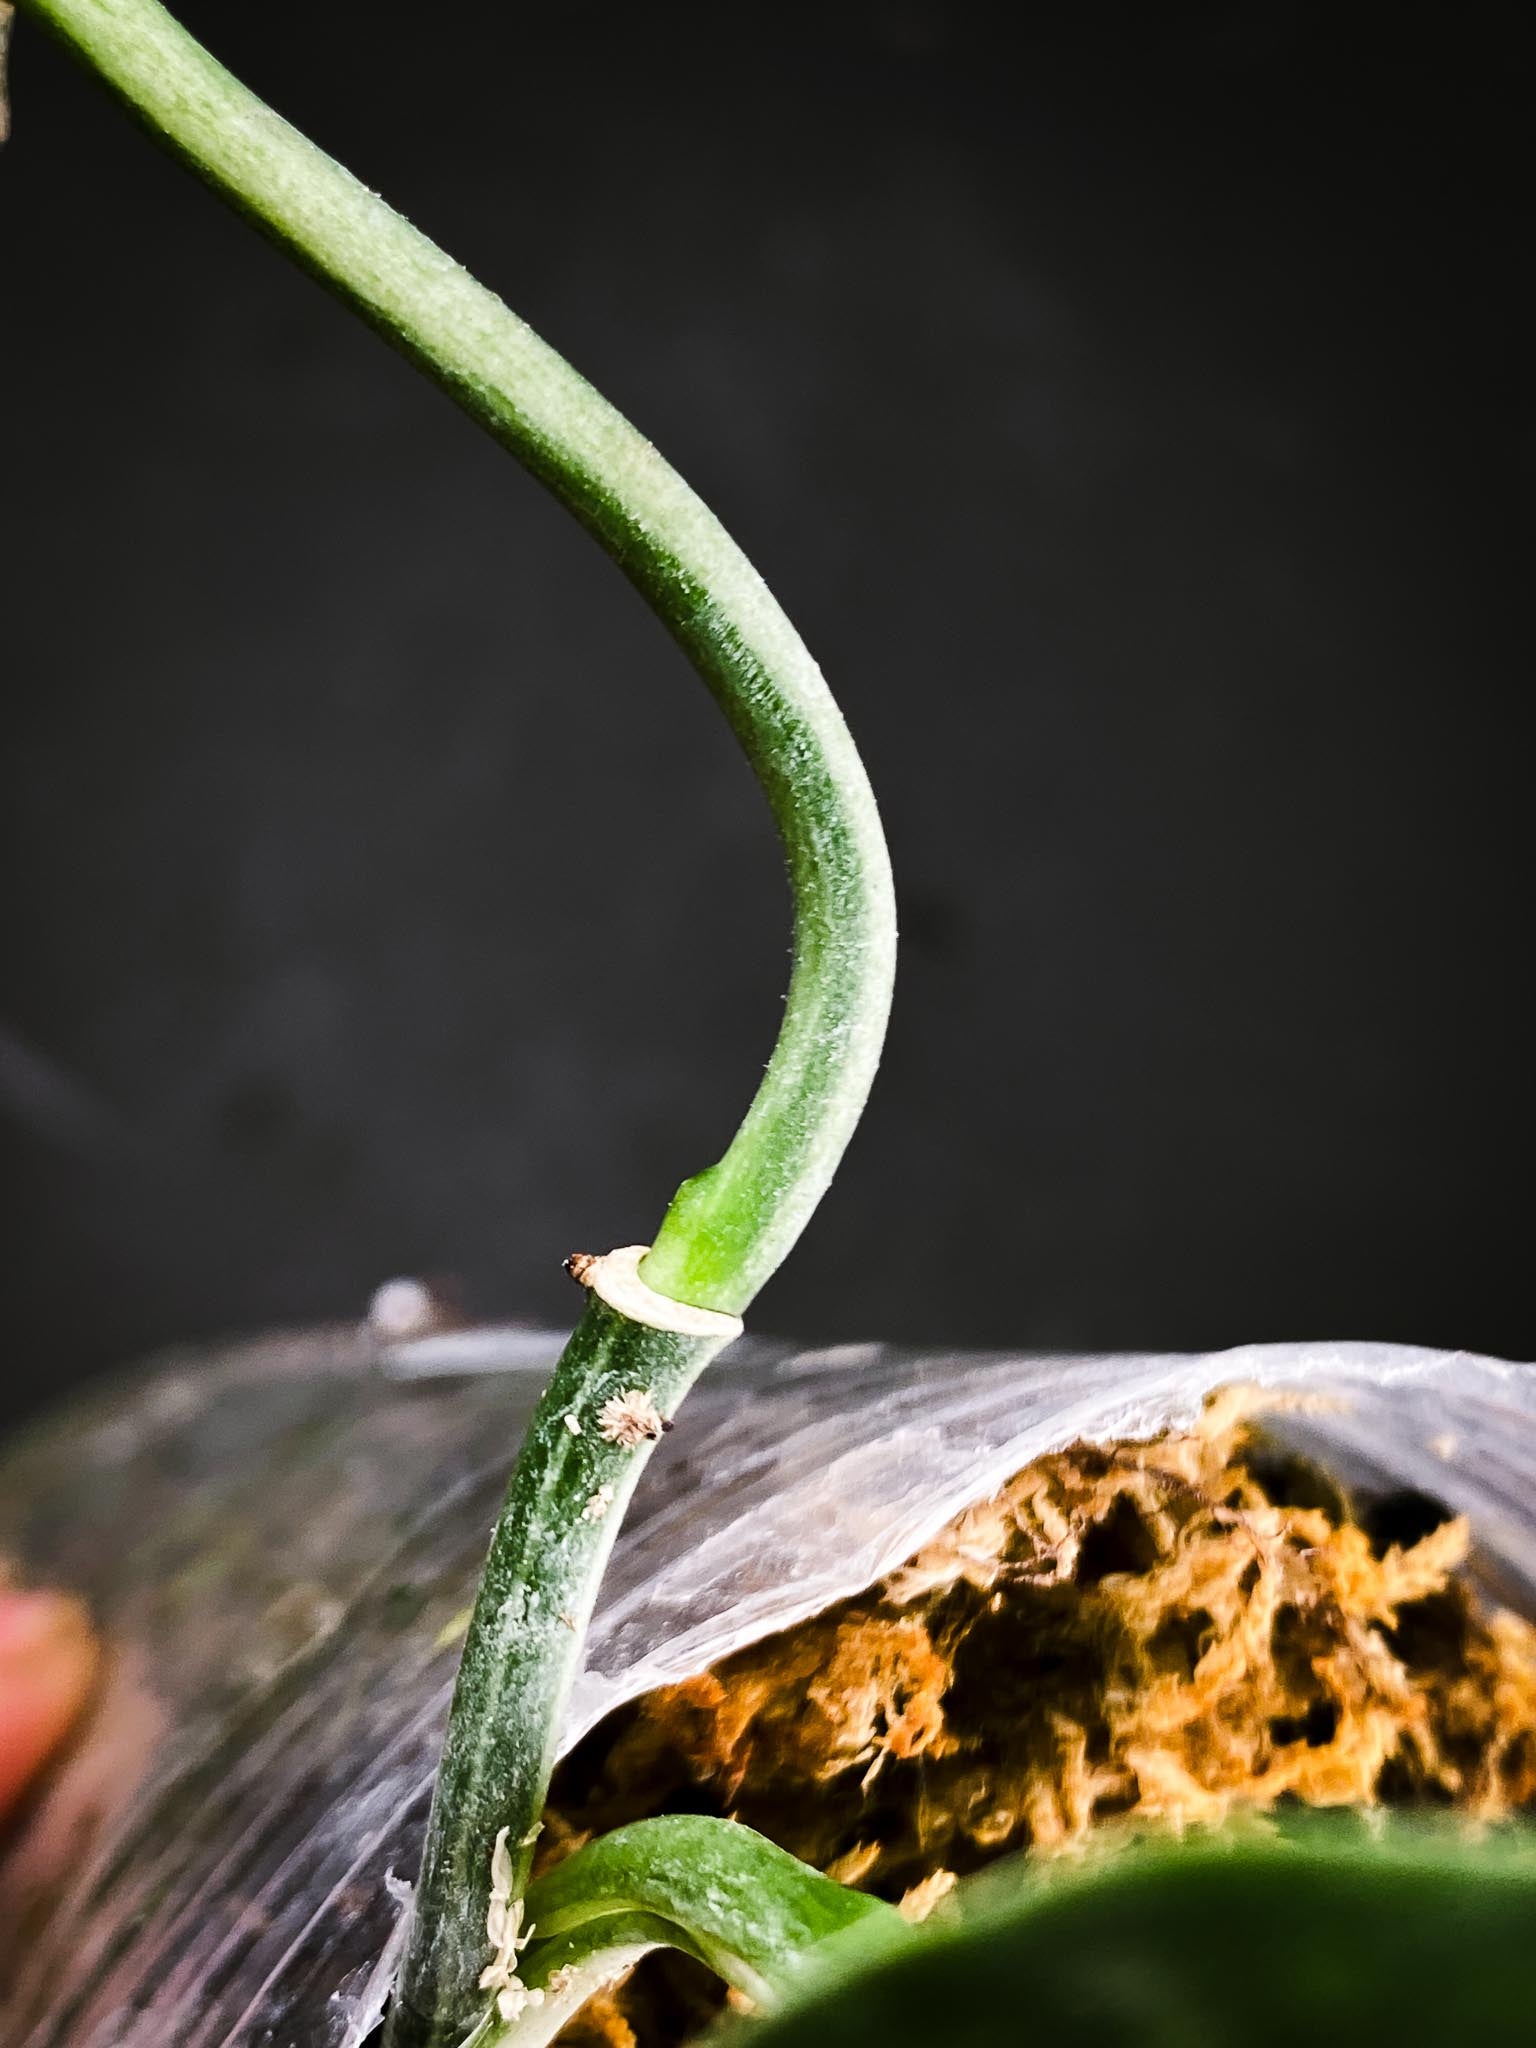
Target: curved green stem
{"type": "Point", "coordinates": [729, 1227]}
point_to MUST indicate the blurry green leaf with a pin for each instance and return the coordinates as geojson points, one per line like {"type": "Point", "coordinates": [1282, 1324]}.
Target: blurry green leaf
{"type": "Point", "coordinates": [1326, 1935]}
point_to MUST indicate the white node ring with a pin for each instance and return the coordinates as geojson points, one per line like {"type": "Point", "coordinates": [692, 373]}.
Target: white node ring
{"type": "Point", "coordinates": [615, 1278]}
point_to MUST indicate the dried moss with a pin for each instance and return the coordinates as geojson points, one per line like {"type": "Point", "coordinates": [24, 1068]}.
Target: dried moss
{"type": "Point", "coordinates": [1174, 1629]}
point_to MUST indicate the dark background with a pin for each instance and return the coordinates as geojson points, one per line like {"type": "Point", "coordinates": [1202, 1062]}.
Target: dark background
{"type": "Point", "coordinates": [1132, 408]}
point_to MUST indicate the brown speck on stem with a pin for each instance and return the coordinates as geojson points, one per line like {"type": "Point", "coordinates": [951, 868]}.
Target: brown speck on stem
{"type": "Point", "coordinates": [579, 1264]}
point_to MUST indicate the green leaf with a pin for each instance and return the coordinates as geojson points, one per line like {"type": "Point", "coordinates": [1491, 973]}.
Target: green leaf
{"type": "Point", "coordinates": [1326, 1935]}
{"type": "Point", "coordinates": [712, 1888]}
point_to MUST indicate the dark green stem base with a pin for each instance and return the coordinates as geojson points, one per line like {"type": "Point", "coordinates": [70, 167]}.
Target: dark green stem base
{"type": "Point", "coordinates": [522, 1653]}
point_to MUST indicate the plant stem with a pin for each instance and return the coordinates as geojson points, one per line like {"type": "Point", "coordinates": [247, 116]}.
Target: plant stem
{"type": "Point", "coordinates": [729, 1227]}
{"type": "Point", "coordinates": [523, 1648]}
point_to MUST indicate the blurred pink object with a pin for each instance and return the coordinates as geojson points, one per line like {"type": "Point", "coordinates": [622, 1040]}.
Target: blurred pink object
{"type": "Point", "coordinates": [48, 1663]}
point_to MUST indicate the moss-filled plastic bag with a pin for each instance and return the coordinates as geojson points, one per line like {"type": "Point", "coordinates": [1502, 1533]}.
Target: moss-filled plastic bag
{"type": "Point", "coordinates": [278, 1541]}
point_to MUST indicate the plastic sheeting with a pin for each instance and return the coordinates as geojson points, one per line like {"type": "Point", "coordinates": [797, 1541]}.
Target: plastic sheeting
{"type": "Point", "coordinates": [279, 1541]}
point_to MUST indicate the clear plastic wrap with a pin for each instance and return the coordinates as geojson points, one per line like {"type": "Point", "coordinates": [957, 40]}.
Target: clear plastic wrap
{"type": "Point", "coordinates": [279, 1542]}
